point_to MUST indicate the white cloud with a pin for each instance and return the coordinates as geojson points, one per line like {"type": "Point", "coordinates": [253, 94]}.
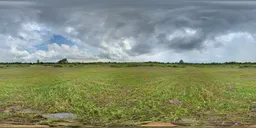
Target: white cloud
{"type": "Point", "coordinates": [16, 3]}
{"type": "Point", "coordinates": [19, 53]}
{"type": "Point", "coordinates": [55, 52]}
{"type": "Point", "coordinates": [235, 46]}
{"type": "Point", "coordinates": [182, 33]}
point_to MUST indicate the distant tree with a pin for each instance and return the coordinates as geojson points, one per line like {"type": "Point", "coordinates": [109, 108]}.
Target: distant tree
{"type": "Point", "coordinates": [181, 62]}
{"type": "Point", "coordinates": [63, 61]}
{"type": "Point", "coordinates": [38, 61]}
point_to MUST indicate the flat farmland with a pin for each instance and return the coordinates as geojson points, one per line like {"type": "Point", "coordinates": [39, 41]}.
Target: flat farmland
{"type": "Point", "coordinates": [132, 95]}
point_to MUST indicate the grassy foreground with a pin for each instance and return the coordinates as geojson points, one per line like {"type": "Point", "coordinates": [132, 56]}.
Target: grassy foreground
{"type": "Point", "coordinates": [110, 95]}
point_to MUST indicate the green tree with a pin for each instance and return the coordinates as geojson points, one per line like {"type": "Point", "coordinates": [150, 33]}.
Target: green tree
{"type": "Point", "coordinates": [181, 62]}
{"type": "Point", "coordinates": [63, 61]}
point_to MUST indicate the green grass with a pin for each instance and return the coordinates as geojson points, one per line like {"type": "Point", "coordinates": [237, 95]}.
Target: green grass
{"type": "Point", "coordinates": [121, 95]}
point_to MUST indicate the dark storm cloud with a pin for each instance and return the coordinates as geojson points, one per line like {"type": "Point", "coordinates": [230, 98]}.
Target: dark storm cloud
{"type": "Point", "coordinates": [125, 28]}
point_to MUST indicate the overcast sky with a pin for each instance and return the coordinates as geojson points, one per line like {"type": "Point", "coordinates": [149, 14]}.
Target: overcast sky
{"type": "Point", "coordinates": [128, 30]}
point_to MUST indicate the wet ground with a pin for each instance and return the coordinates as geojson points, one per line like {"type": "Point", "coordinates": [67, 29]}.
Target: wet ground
{"type": "Point", "coordinates": [18, 117]}
{"type": "Point", "coordinates": [154, 126]}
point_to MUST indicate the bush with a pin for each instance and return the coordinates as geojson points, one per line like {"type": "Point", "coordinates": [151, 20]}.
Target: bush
{"type": "Point", "coordinates": [72, 66]}
{"type": "Point", "coordinates": [133, 65]}
{"type": "Point", "coordinates": [243, 66]}
{"type": "Point", "coordinates": [115, 66]}
{"type": "Point", "coordinates": [247, 66]}
{"type": "Point", "coordinates": [58, 66]}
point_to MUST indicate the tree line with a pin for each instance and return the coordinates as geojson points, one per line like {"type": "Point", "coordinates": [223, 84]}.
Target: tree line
{"type": "Point", "coordinates": [65, 61]}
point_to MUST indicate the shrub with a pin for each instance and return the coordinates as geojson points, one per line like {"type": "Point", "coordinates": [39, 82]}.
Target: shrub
{"type": "Point", "coordinates": [58, 66]}
{"type": "Point", "coordinates": [247, 66]}
{"type": "Point", "coordinates": [115, 66]}
{"type": "Point", "coordinates": [174, 66]}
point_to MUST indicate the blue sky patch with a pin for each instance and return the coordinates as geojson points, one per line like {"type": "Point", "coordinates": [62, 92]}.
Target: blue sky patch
{"type": "Point", "coordinates": [58, 39]}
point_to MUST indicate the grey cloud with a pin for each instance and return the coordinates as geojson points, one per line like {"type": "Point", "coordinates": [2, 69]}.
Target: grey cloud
{"type": "Point", "coordinates": [15, 4]}
{"type": "Point", "coordinates": [121, 29]}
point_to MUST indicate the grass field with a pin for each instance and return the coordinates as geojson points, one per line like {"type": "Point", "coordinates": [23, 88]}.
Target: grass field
{"type": "Point", "coordinates": [130, 95]}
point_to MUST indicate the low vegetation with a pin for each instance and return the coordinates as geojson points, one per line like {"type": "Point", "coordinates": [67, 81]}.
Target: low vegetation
{"type": "Point", "coordinates": [131, 93]}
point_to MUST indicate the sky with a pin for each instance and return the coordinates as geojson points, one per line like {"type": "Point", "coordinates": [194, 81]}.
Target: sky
{"type": "Point", "coordinates": [128, 30]}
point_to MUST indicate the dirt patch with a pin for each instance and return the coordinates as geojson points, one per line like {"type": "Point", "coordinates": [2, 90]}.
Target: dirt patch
{"type": "Point", "coordinates": [13, 108]}
{"type": "Point", "coordinates": [3, 78]}
{"type": "Point", "coordinates": [20, 117]}
{"type": "Point", "coordinates": [1, 110]}
{"type": "Point", "coordinates": [175, 101]}
{"type": "Point", "coordinates": [66, 124]}
{"type": "Point", "coordinates": [22, 126]}
{"type": "Point", "coordinates": [186, 122]}
{"type": "Point", "coordinates": [248, 77]}
{"type": "Point", "coordinates": [158, 124]}
{"type": "Point", "coordinates": [29, 111]}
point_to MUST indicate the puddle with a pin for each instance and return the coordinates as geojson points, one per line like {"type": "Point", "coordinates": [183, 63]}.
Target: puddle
{"type": "Point", "coordinates": [21, 122]}
{"type": "Point", "coordinates": [67, 116]}
{"type": "Point", "coordinates": [79, 125]}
